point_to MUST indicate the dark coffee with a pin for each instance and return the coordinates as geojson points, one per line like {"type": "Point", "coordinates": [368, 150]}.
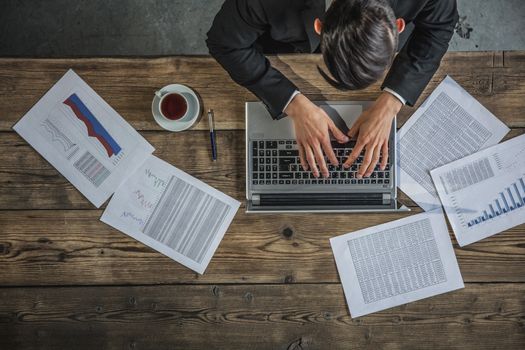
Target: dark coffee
{"type": "Point", "coordinates": [173, 106]}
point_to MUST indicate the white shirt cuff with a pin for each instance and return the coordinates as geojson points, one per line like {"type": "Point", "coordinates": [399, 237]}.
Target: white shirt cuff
{"type": "Point", "coordinates": [398, 96]}
{"type": "Point", "coordinates": [295, 93]}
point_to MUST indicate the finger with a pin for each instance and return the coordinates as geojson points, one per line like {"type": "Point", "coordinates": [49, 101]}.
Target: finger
{"type": "Point", "coordinates": [369, 152]}
{"type": "Point", "coordinates": [384, 155]}
{"type": "Point", "coordinates": [327, 147]}
{"type": "Point", "coordinates": [355, 153]}
{"type": "Point", "coordinates": [354, 130]}
{"type": "Point", "coordinates": [302, 157]}
{"type": "Point", "coordinates": [338, 134]}
{"type": "Point", "coordinates": [311, 159]}
{"type": "Point", "coordinates": [320, 160]}
{"type": "Point", "coordinates": [373, 163]}
{"type": "Point", "coordinates": [366, 161]}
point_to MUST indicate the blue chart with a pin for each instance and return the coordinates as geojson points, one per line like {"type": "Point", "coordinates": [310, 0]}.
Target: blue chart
{"type": "Point", "coordinates": [94, 127]}
{"type": "Point", "coordinates": [510, 199]}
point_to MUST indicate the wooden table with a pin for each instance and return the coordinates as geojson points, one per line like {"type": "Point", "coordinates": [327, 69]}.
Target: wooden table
{"type": "Point", "coordinates": [68, 281]}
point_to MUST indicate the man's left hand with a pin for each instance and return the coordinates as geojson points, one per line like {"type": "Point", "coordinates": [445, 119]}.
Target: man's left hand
{"type": "Point", "coordinates": [372, 130]}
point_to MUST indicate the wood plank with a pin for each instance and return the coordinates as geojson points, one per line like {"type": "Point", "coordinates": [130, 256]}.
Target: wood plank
{"type": "Point", "coordinates": [47, 247]}
{"type": "Point", "coordinates": [514, 59]}
{"type": "Point", "coordinates": [510, 82]}
{"type": "Point", "coordinates": [128, 84]}
{"type": "Point", "coordinates": [256, 317]}
{"type": "Point", "coordinates": [499, 59]}
{"type": "Point", "coordinates": [505, 107]}
{"type": "Point", "coordinates": [27, 181]}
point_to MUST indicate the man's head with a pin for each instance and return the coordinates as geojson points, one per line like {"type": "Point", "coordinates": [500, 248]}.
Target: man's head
{"type": "Point", "coordinates": [358, 41]}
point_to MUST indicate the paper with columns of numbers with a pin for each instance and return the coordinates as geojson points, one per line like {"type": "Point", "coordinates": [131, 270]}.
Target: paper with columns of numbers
{"type": "Point", "coordinates": [484, 193]}
{"type": "Point", "coordinates": [449, 125]}
{"type": "Point", "coordinates": [396, 263]}
{"type": "Point", "coordinates": [172, 212]}
{"type": "Point", "coordinates": [85, 139]}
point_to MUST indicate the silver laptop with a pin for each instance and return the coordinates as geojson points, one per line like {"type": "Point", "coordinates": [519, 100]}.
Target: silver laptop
{"type": "Point", "coordinates": [275, 181]}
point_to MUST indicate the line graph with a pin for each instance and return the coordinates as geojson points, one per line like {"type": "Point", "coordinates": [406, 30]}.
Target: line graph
{"type": "Point", "coordinates": [61, 142]}
{"type": "Point", "coordinates": [57, 135]}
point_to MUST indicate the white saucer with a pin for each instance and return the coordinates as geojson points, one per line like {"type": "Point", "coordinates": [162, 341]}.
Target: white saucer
{"type": "Point", "coordinates": [192, 115]}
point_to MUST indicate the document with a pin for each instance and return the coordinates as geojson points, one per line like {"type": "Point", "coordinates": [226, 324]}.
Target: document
{"type": "Point", "coordinates": [396, 263]}
{"type": "Point", "coordinates": [449, 125]}
{"type": "Point", "coordinates": [171, 212]}
{"type": "Point", "coordinates": [85, 139]}
{"type": "Point", "coordinates": [484, 193]}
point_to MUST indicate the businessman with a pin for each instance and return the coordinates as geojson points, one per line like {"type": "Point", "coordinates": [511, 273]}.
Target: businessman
{"type": "Point", "coordinates": [358, 40]}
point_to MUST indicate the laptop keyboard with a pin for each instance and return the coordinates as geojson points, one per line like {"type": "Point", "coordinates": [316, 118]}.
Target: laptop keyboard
{"type": "Point", "coordinates": [276, 162]}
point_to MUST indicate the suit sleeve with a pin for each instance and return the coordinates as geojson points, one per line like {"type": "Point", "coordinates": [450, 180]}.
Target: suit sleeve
{"type": "Point", "coordinates": [231, 41]}
{"type": "Point", "coordinates": [419, 59]}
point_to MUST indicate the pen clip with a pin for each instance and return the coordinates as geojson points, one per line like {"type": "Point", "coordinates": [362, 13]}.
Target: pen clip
{"type": "Point", "coordinates": [211, 120]}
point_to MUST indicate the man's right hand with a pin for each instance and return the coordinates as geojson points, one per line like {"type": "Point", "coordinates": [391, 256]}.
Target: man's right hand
{"type": "Point", "coordinates": [312, 126]}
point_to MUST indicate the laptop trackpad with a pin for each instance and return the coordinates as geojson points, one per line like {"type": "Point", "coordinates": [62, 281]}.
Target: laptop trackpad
{"type": "Point", "coordinates": [343, 116]}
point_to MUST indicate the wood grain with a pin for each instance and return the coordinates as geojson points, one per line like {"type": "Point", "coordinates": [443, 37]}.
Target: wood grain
{"type": "Point", "coordinates": [74, 248]}
{"type": "Point", "coordinates": [481, 316]}
{"type": "Point", "coordinates": [128, 84]}
{"type": "Point", "coordinates": [272, 283]}
{"type": "Point", "coordinates": [27, 181]}
{"type": "Point", "coordinates": [514, 59]}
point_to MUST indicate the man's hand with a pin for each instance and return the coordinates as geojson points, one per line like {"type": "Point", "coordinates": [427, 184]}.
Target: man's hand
{"type": "Point", "coordinates": [312, 126]}
{"type": "Point", "coordinates": [372, 130]}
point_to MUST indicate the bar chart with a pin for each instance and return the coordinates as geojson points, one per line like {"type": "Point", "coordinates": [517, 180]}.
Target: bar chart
{"type": "Point", "coordinates": [511, 198]}
{"type": "Point", "coordinates": [480, 206]}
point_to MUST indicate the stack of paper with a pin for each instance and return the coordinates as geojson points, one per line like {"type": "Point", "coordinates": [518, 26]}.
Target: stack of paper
{"type": "Point", "coordinates": [483, 193]}
{"type": "Point", "coordinates": [449, 125]}
{"type": "Point", "coordinates": [98, 151]}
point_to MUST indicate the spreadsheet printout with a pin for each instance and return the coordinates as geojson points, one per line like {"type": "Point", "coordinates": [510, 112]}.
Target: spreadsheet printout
{"type": "Point", "coordinates": [396, 263]}
{"type": "Point", "coordinates": [172, 212]}
{"type": "Point", "coordinates": [85, 139]}
{"type": "Point", "coordinates": [484, 193]}
{"type": "Point", "coordinates": [449, 125]}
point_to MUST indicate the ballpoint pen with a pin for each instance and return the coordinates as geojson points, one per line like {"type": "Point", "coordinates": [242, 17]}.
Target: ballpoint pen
{"type": "Point", "coordinates": [211, 122]}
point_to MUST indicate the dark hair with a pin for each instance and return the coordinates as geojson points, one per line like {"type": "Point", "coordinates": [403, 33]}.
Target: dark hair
{"type": "Point", "coordinates": [358, 42]}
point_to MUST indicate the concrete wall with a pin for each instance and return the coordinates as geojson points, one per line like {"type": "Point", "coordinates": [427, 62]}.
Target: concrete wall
{"type": "Point", "coordinates": [58, 28]}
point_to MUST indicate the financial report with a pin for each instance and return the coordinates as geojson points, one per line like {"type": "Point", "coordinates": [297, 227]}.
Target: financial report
{"type": "Point", "coordinates": [449, 125]}
{"type": "Point", "coordinates": [484, 193]}
{"type": "Point", "coordinates": [85, 139]}
{"type": "Point", "coordinates": [396, 263]}
{"type": "Point", "coordinates": [172, 212]}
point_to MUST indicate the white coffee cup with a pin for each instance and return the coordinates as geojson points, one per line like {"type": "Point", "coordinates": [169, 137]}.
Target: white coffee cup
{"type": "Point", "coordinates": [181, 99]}
{"type": "Point", "coordinates": [192, 114]}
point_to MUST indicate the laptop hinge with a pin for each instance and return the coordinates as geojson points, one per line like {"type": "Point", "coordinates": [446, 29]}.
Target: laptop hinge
{"type": "Point", "coordinates": [320, 199]}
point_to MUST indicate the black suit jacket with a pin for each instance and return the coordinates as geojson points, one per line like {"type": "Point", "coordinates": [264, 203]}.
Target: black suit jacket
{"type": "Point", "coordinates": [244, 30]}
